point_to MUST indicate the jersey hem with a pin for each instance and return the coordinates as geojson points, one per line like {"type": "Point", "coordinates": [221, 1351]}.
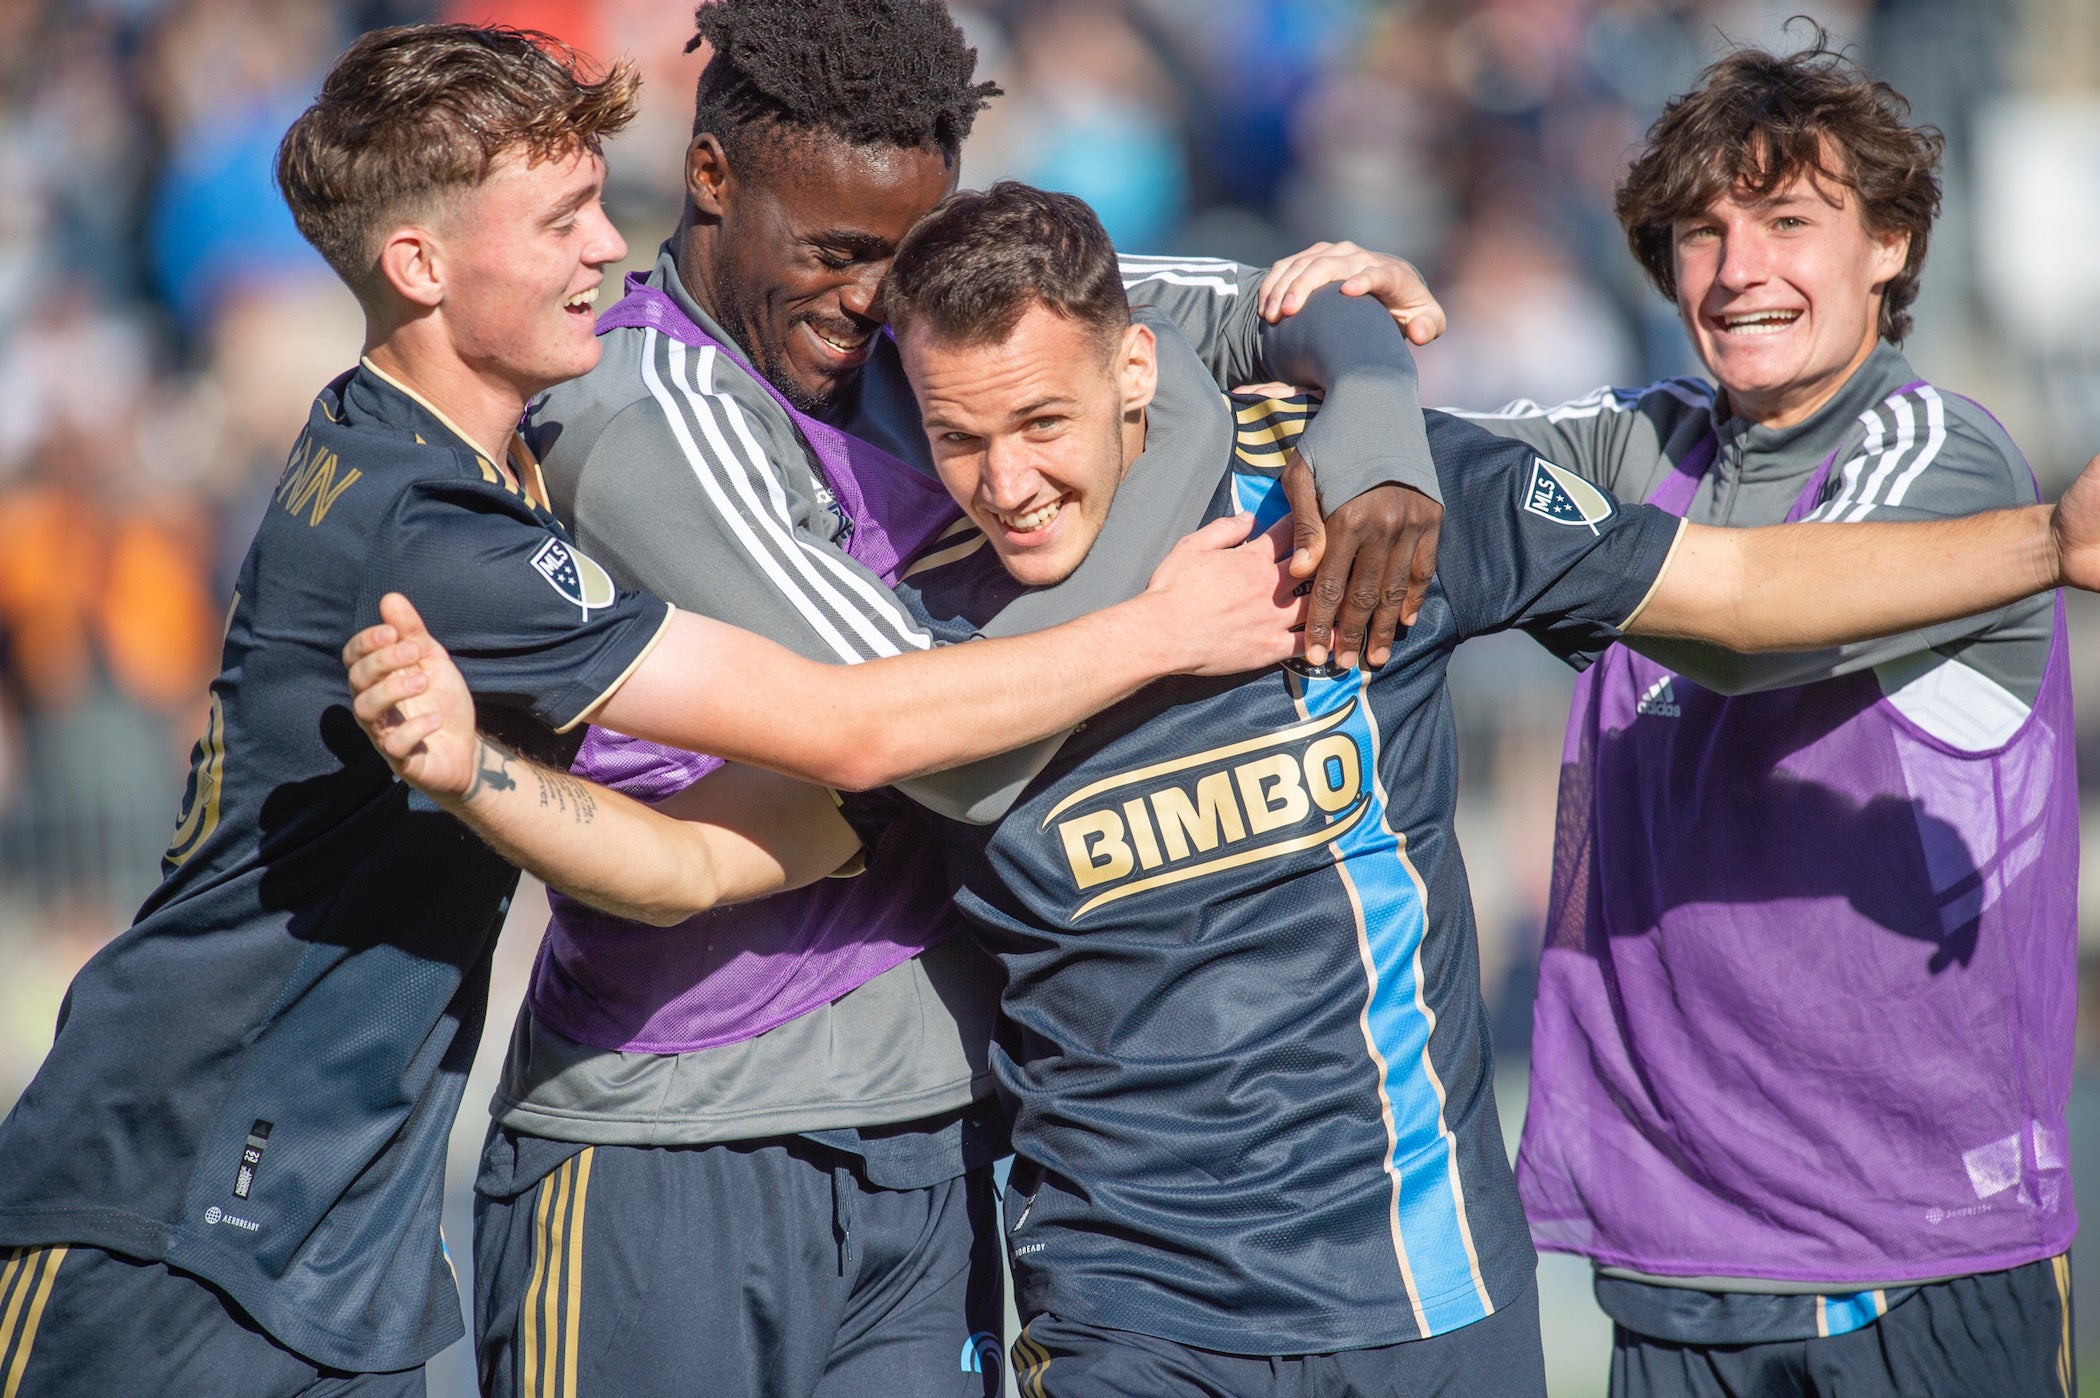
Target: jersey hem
{"type": "Point", "coordinates": [149, 1240]}
{"type": "Point", "coordinates": [1505, 1285]}
{"type": "Point", "coordinates": [1942, 1269]}
{"type": "Point", "coordinates": [604, 1129]}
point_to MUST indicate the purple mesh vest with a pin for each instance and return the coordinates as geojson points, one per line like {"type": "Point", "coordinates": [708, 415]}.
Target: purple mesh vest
{"type": "Point", "coordinates": [1806, 1002]}
{"type": "Point", "coordinates": [731, 974]}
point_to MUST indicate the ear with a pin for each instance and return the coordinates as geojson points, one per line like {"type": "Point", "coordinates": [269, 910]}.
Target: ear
{"type": "Point", "coordinates": [413, 264]}
{"type": "Point", "coordinates": [707, 174]}
{"type": "Point", "coordinates": [1890, 252]}
{"type": "Point", "coordinates": [1137, 367]}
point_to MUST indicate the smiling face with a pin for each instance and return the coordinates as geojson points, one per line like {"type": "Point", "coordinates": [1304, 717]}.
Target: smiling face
{"type": "Point", "coordinates": [524, 253]}
{"type": "Point", "coordinates": [1782, 294]}
{"type": "Point", "coordinates": [794, 265]}
{"type": "Point", "coordinates": [1033, 434]}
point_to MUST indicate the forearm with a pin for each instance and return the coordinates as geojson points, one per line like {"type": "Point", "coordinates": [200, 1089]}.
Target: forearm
{"type": "Point", "coordinates": [1369, 430]}
{"type": "Point", "coordinates": [595, 845]}
{"type": "Point", "coordinates": [1805, 586]}
{"type": "Point", "coordinates": [713, 689]}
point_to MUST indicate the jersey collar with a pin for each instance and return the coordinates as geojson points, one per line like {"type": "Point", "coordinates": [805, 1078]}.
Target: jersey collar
{"type": "Point", "coordinates": [523, 465]}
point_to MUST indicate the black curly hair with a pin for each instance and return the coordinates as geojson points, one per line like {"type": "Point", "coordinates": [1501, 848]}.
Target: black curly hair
{"type": "Point", "coordinates": [867, 72]}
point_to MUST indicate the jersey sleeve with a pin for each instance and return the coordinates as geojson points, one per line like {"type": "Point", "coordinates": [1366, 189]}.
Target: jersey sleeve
{"type": "Point", "coordinates": [1370, 431]}
{"type": "Point", "coordinates": [1925, 456]}
{"type": "Point", "coordinates": [532, 622]}
{"type": "Point", "coordinates": [1530, 545]}
{"type": "Point", "coordinates": [677, 493]}
{"type": "Point", "coordinates": [1610, 437]}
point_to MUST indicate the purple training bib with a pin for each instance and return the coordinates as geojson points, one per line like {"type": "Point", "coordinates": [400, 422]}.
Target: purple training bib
{"type": "Point", "coordinates": [1807, 998]}
{"type": "Point", "coordinates": [730, 975]}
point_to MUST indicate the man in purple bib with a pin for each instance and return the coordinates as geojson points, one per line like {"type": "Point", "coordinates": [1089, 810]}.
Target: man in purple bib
{"type": "Point", "coordinates": [759, 1145]}
{"type": "Point", "coordinates": [1804, 1026]}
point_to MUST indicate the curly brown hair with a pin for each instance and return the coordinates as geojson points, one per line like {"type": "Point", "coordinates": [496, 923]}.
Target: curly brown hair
{"type": "Point", "coordinates": [1757, 120]}
{"type": "Point", "coordinates": [412, 112]}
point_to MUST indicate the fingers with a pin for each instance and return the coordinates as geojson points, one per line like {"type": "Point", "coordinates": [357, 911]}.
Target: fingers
{"type": "Point", "coordinates": [1394, 597]}
{"type": "Point", "coordinates": [400, 741]}
{"type": "Point", "coordinates": [1308, 529]}
{"type": "Point", "coordinates": [1421, 572]}
{"type": "Point", "coordinates": [1280, 279]}
{"type": "Point", "coordinates": [1354, 573]}
{"type": "Point", "coordinates": [401, 656]}
{"type": "Point", "coordinates": [372, 703]}
{"type": "Point", "coordinates": [399, 611]}
{"type": "Point", "coordinates": [1221, 533]}
{"type": "Point", "coordinates": [367, 641]}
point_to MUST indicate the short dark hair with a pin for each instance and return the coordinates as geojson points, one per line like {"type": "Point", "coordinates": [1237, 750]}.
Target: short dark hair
{"type": "Point", "coordinates": [866, 72]}
{"type": "Point", "coordinates": [981, 259]}
{"type": "Point", "coordinates": [1756, 121]}
{"type": "Point", "coordinates": [411, 112]}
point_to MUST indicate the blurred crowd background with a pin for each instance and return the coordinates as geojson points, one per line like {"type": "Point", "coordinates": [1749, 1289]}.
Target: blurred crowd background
{"type": "Point", "coordinates": [163, 328]}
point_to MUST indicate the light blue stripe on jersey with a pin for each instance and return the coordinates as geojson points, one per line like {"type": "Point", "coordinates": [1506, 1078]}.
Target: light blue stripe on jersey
{"type": "Point", "coordinates": [1841, 1315]}
{"type": "Point", "coordinates": [1263, 495]}
{"type": "Point", "coordinates": [1434, 1242]}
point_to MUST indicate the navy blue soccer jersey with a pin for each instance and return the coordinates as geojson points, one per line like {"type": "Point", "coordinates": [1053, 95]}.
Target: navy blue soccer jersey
{"type": "Point", "coordinates": [1249, 1068]}
{"type": "Point", "coordinates": [256, 1082]}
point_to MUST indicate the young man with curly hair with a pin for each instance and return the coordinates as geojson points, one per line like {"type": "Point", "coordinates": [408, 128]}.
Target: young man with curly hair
{"type": "Point", "coordinates": [227, 1175]}
{"type": "Point", "coordinates": [1804, 1029]}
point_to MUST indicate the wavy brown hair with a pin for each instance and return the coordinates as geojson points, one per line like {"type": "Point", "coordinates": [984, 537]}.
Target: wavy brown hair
{"type": "Point", "coordinates": [411, 113]}
{"type": "Point", "coordinates": [1754, 122]}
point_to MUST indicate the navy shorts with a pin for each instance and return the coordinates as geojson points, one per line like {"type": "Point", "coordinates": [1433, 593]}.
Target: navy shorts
{"type": "Point", "coordinates": [78, 1322]}
{"type": "Point", "coordinates": [1498, 1357]}
{"type": "Point", "coordinates": [765, 1269]}
{"type": "Point", "coordinates": [1994, 1335]}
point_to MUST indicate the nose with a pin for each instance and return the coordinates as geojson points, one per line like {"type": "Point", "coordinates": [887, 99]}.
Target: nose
{"type": "Point", "coordinates": [605, 244]}
{"type": "Point", "coordinates": [1010, 480]}
{"type": "Point", "coordinates": [862, 296]}
{"type": "Point", "coordinates": [1743, 261]}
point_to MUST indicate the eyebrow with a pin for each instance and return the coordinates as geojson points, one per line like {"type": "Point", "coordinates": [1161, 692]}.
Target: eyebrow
{"type": "Point", "coordinates": [573, 200]}
{"type": "Point", "coordinates": [857, 241]}
{"type": "Point", "coordinates": [1055, 400]}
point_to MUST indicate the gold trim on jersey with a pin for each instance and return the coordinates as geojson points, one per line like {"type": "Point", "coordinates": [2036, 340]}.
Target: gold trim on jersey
{"type": "Point", "coordinates": [1266, 431]}
{"type": "Point", "coordinates": [1031, 1364]}
{"type": "Point", "coordinates": [518, 458]}
{"type": "Point", "coordinates": [26, 1278]}
{"type": "Point", "coordinates": [199, 815]}
{"type": "Point", "coordinates": [553, 1313]}
{"type": "Point", "coordinates": [2066, 1355]}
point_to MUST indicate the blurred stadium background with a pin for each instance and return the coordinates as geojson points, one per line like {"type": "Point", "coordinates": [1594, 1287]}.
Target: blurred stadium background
{"type": "Point", "coordinates": [162, 330]}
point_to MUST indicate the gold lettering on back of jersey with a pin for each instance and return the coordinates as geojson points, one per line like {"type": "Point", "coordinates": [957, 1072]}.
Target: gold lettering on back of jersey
{"type": "Point", "coordinates": [310, 485]}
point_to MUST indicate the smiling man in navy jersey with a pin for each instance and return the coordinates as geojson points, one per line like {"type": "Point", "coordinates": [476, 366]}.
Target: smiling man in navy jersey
{"type": "Point", "coordinates": [226, 1176]}
{"type": "Point", "coordinates": [1249, 1069]}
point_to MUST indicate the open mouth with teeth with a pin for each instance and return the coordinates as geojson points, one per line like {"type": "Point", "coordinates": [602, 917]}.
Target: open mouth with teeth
{"type": "Point", "coordinates": [1032, 521]}
{"type": "Point", "coordinates": [1758, 322]}
{"type": "Point", "coordinates": [582, 303]}
{"type": "Point", "coordinates": [845, 347]}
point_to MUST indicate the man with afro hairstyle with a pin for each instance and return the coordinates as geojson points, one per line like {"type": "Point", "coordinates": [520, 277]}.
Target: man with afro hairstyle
{"type": "Point", "coordinates": [758, 1145]}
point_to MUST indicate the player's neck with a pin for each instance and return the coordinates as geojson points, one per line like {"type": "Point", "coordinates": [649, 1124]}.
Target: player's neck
{"type": "Point", "coordinates": [693, 248]}
{"type": "Point", "coordinates": [480, 408]}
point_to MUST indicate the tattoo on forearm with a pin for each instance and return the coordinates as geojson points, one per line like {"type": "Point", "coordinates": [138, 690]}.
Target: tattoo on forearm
{"type": "Point", "coordinates": [491, 770]}
{"type": "Point", "coordinates": [565, 793]}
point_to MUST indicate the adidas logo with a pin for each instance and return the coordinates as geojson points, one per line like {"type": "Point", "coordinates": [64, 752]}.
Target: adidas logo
{"type": "Point", "coordinates": [1660, 700]}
